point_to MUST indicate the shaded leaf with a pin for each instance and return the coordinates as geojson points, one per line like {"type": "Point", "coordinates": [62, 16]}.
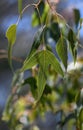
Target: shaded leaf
{"type": "Point", "coordinates": [76, 16]}
{"type": "Point", "coordinates": [77, 98]}
{"type": "Point", "coordinates": [54, 62]}
{"type": "Point", "coordinates": [20, 6]}
{"type": "Point", "coordinates": [35, 17]}
{"type": "Point", "coordinates": [55, 31]}
{"type": "Point", "coordinates": [52, 32]}
{"type": "Point", "coordinates": [72, 44]}
{"type": "Point", "coordinates": [37, 40]}
{"type": "Point", "coordinates": [33, 85]}
{"type": "Point", "coordinates": [68, 118]}
{"type": "Point", "coordinates": [81, 115]}
{"type": "Point", "coordinates": [61, 49]}
{"type": "Point", "coordinates": [43, 9]}
{"type": "Point", "coordinates": [41, 82]}
{"type": "Point", "coordinates": [42, 75]}
{"type": "Point", "coordinates": [47, 90]}
{"type": "Point", "coordinates": [81, 22]}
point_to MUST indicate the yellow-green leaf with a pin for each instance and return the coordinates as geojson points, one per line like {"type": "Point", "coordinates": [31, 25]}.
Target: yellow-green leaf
{"type": "Point", "coordinates": [11, 34]}
{"type": "Point", "coordinates": [30, 62]}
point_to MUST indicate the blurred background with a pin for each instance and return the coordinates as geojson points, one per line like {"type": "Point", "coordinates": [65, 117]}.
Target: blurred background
{"type": "Point", "coordinates": [25, 34]}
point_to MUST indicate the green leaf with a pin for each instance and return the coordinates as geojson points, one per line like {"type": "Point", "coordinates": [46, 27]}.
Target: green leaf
{"type": "Point", "coordinates": [35, 17]}
{"type": "Point", "coordinates": [36, 58]}
{"type": "Point", "coordinates": [72, 43]}
{"type": "Point", "coordinates": [55, 31]}
{"type": "Point", "coordinates": [52, 32]}
{"type": "Point", "coordinates": [81, 22]}
{"type": "Point", "coordinates": [41, 82]}
{"type": "Point", "coordinates": [42, 75]}
{"type": "Point", "coordinates": [76, 16]}
{"type": "Point", "coordinates": [77, 99]}
{"type": "Point", "coordinates": [20, 6]}
{"type": "Point", "coordinates": [37, 40]}
{"type": "Point", "coordinates": [81, 115]}
{"type": "Point", "coordinates": [43, 9]}
{"type": "Point", "coordinates": [68, 118]}
{"type": "Point", "coordinates": [33, 85]}
{"type": "Point", "coordinates": [11, 36]}
{"type": "Point", "coordinates": [54, 62]}
{"type": "Point", "coordinates": [30, 62]}
{"type": "Point", "coordinates": [61, 49]}
{"type": "Point", "coordinates": [44, 58]}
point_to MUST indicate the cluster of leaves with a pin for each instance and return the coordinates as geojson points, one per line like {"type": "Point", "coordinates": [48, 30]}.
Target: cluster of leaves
{"type": "Point", "coordinates": [48, 71]}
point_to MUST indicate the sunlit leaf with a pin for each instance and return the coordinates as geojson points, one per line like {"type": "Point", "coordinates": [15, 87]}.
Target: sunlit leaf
{"type": "Point", "coordinates": [30, 62]}
{"type": "Point", "coordinates": [11, 36]}
{"type": "Point", "coordinates": [61, 49]}
{"type": "Point", "coordinates": [44, 58]}
{"type": "Point", "coordinates": [37, 59]}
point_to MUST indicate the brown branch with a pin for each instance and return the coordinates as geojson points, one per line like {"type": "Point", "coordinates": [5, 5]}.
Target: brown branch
{"type": "Point", "coordinates": [3, 51]}
{"type": "Point", "coordinates": [14, 58]}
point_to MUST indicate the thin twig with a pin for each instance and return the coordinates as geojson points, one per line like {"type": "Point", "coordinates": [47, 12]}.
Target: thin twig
{"type": "Point", "coordinates": [57, 14]}
{"type": "Point", "coordinates": [81, 46]}
{"type": "Point", "coordinates": [3, 51]}
{"type": "Point", "coordinates": [14, 58]}
{"type": "Point", "coordinates": [26, 7]}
